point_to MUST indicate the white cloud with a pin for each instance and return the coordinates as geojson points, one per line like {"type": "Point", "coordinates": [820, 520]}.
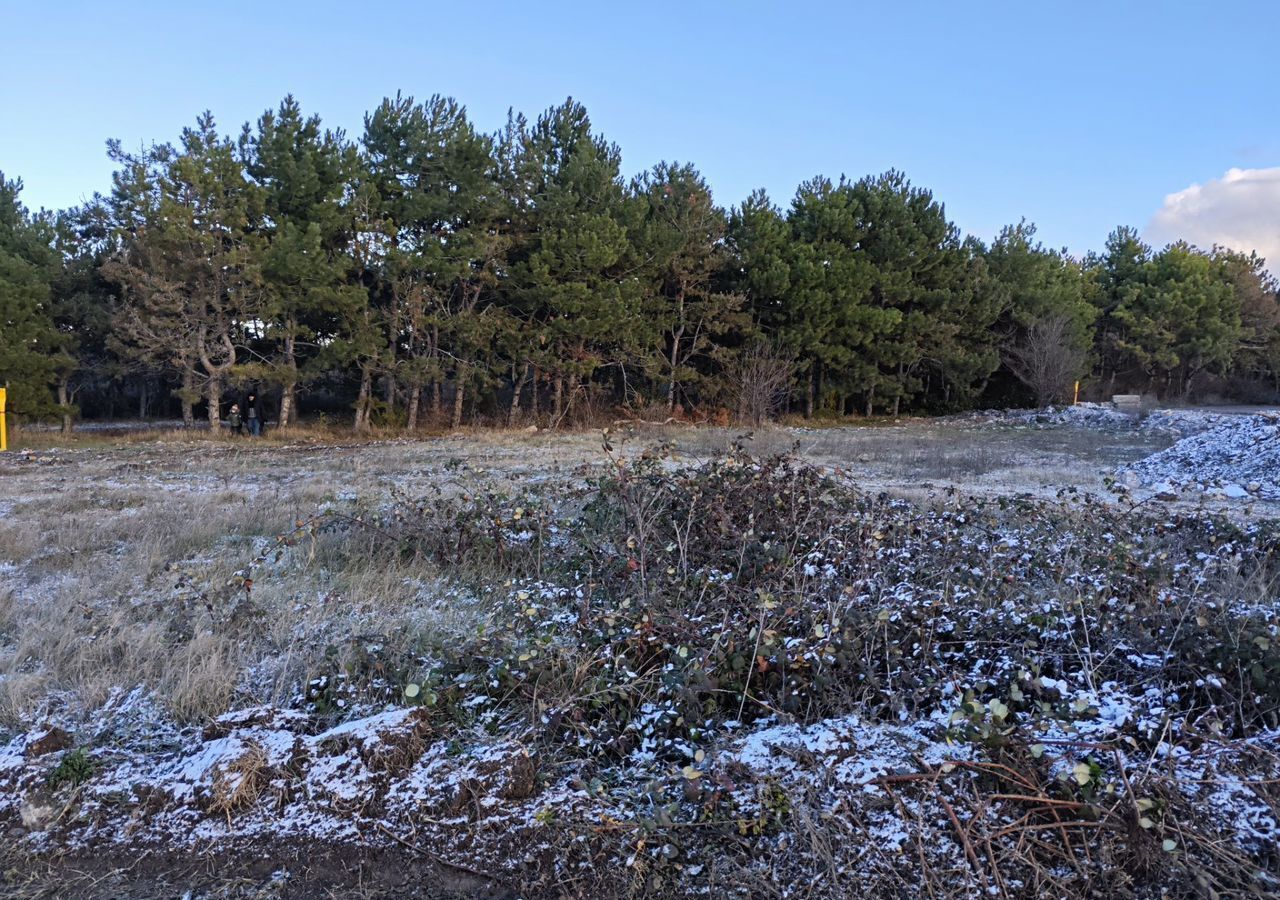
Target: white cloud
{"type": "Point", "coordinates": [1240, 210]}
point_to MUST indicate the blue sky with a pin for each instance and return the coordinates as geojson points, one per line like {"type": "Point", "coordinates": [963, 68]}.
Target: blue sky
{"type": "Point", "coordinates": [1078, 116]}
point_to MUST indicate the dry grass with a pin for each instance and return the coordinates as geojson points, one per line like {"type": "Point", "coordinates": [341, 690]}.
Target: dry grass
{"type": "Point", "coordinates": [127, 570]}
{"type": "Point", "coordinates": [239, 783]}
{"type": "Point", "coordinates": [108, 541]}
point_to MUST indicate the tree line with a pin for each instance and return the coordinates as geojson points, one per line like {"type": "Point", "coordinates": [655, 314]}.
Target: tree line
{"type": "Point", "coordinates": [430, 272]}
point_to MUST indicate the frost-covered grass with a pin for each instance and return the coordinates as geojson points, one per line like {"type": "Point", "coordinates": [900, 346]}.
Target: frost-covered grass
{"type": "Point", "coordinates": [641, 672]}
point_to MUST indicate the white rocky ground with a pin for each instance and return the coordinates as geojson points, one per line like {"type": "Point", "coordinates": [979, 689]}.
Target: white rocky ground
{"type": "Point", "coordinates": [1232, 456]}
{"type": "Point", "coordinates": [1237, 457]}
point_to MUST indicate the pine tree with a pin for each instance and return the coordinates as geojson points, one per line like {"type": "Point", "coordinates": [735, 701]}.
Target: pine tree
{"type": "Point", "coordinates": [360, 340]}
{"type": "Point", "coordinates": [302, 172]}
{"type": "Point", "coordinates": [33, 353]}
{"type": "Point", "coordinates": [435, 176]}
{"type": "Point", "coordinates": [83, 305]}
{"type": "Point", "coordinates": [680, 236]}
{"type": "Point", "coordinates": [1046, 326]}
{"type": "Point", "coordinates": [836, 325]}
{"type": "Point", "coordinates": [187, 219]}
{"type": "Point", "coordinates": [573, 281]}
{"type": "Point", "coordinates": [919, 262]}
{"type": "Point", "coordinates": [1258, 293]}
{"type": "Point", "coordinates": [1181, 320]}
{"type": "Point", "coordinates": [1115, 278]}
{"type": "Point", "coordinates": [965, 352]}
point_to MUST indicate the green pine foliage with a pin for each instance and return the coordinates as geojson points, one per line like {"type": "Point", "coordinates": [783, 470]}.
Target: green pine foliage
{"type": "Point", "coordinates": [430, 273]}
{"type": "Point", "coordinates": [302, 173]}
{"type": "Point", "coordinates": [33, 352]}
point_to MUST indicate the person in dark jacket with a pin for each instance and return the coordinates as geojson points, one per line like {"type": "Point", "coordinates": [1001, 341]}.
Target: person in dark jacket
{"type": "Point", "coordinates": [235, 420]}
{"type": "Point", "coordinates": [253, 415]}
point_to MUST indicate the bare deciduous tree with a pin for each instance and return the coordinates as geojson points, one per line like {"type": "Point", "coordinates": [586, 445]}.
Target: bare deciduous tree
{"type": "Point", "coordinates": [760, 379]}
{"type": "Point", "coordinates": [1047, 358]}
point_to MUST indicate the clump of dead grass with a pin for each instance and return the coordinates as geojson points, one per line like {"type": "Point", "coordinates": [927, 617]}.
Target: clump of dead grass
{"type": "Point", "coordinates": [239, 783]}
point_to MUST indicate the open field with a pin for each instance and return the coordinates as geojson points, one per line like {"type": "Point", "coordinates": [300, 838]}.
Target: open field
{"type": "Point", "coordinates": [986, 656]}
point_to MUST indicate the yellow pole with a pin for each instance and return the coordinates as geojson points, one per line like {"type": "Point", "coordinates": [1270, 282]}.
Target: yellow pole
{"type": "Point", "coordinates": [1077, 398]}
{"type": "Point", "coordinates": [4, 432]}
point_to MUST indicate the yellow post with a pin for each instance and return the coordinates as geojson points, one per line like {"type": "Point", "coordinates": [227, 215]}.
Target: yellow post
{"type": "Point", "coordinates": [1077, 397]}
{"type": "Point", "coordinates": [4, 432]}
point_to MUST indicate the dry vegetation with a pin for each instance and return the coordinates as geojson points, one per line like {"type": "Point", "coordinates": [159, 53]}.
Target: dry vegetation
{"type": "Point", "coordinates": [681, 664]}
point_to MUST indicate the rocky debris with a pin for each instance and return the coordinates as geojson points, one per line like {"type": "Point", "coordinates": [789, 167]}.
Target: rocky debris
{"type": "Point", "coordinates": [1239, 450]}
{"type": "Point", "coordinates": [1103, 417]}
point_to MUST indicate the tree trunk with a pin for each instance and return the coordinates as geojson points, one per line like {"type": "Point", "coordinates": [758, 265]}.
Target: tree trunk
{"type": "Point", "coordinates": [415, 398]}
{"type": "Point", "coordinates": [362, 399]}
{"type": "Point", "coordinates": [215, 372]}
{"type": "Point", "coordinates": [459, 391]}
{"type": "Point", "coordinates": [675, 357]}
{"type": "Point", "coordinates": [871, 401]}
{"type": "Point", "coordinates": [390, 395]}
{"type": "Point", "coordinates": [557, 399]}
{"type": "Point", "coordinates": [809, 390]}
{"type": "Point", "coordinates": [188, 405]}
{"type": "Point", "coordinates": [214, 395]}
{"type": "Point", "coordinates": [436, 388]}
{"type": "Point", "coordinates": [286, 406]}
{"type": "Point", "coordinates": [817, 386]}
{"type": "Point", "coordinates": [516, 390]}
{"type": "Point", "coordinates": [897, 398]}
{"type": "Point", "coordinates": [142, 398]}
{"type": "Point", "coordinates": [290, 379]}
{"type": "Point", "coordinates": [64, 402]}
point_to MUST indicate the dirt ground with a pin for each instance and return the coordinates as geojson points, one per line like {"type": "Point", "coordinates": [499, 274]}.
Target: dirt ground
{"type": "Point", "coordinates": [913, 455]}
{"type": "Point", "coordinates": [94, 528]}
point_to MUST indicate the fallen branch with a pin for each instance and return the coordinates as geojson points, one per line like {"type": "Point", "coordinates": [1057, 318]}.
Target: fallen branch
{"type": "Point", "coordinates": [435, 857]}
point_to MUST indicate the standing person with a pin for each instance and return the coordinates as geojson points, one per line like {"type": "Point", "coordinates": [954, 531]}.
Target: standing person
{"type": "Point", "coordinates": [253, 415]}
{"type": "Point", "coordinates": [234, 419]}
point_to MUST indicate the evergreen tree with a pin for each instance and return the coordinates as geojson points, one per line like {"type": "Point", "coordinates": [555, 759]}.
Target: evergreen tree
{"type": "Point", "coordinates": [760, 248]}
{"type": "Point", "coordinates": [1116, 277]}
{"type": "Point", "coordinates": [573, 279]}
{"type": "Point", "coordinates": [1258, 293]}
{"type": "Point", "coordinates": [680, 237]}
{"type": "Point", "coordinates": [837, 326]}
{"type": "Point", "coordinates": [83, 304]}
{"type": "Point", "coordinates": [920, 266]}
{"type": "Point", "coordinates": [1046, 326]}
{"type": "Point", "coordinates": [33, 354]}
{"type": "Point", "coordinates": [966, 349]}
{"type": "Point", "coordinates": [361, 340]}
{"type": "Point", "coordinates": [302, 172]}
{"type": "Point", "coordinates": [435, 177]}
{"type": "Point", "coordinates": [1181, 319]}
{"type": "Point", "coordinates": [187, 219]}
